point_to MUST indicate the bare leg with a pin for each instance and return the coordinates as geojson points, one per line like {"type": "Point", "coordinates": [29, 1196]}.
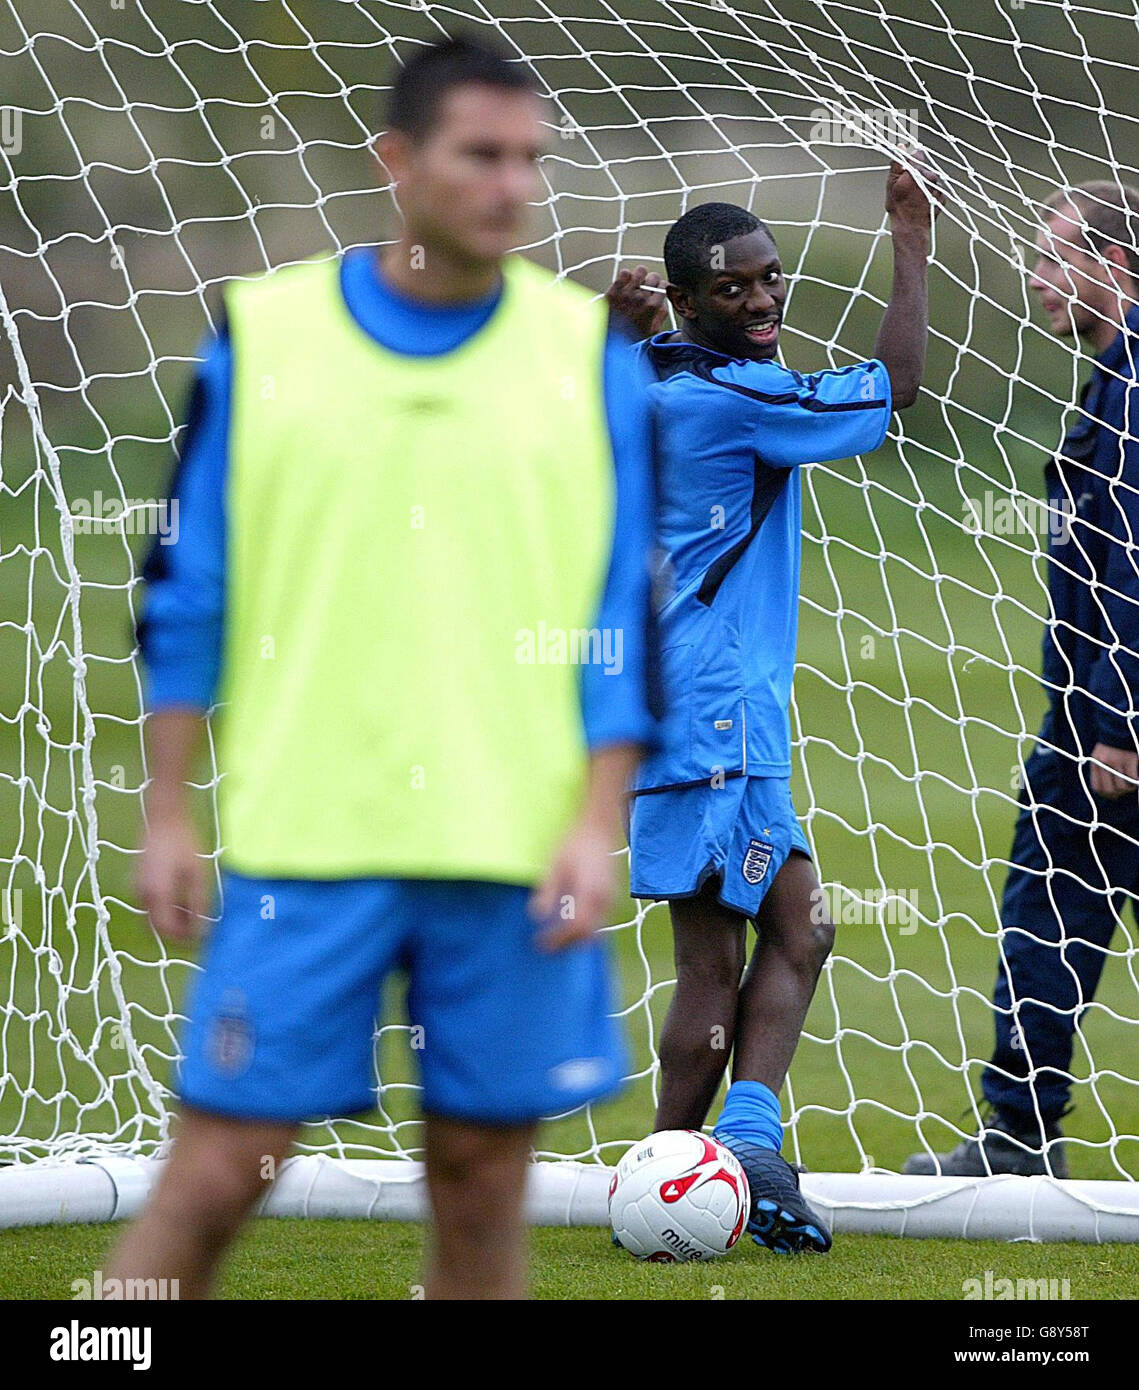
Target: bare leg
{"type": "Point", "coordinates": [709, 943]}
{"type": "Point", "coordinates": [216, 1171]}
{"type": "Point", "coordinates": [476, 1175]}
{"type": "Point", "coordinates": [782, 974]}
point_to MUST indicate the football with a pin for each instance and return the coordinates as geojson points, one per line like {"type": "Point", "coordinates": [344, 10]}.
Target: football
{"type": "Point", "coordinates": [678, 1195]}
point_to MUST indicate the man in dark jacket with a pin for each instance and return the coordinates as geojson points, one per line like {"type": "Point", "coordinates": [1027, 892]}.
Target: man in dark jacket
{"type": "Point", "coordinates": [1075, 855]}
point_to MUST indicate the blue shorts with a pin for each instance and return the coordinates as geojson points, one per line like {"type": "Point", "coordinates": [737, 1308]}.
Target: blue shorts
{"type": "Point", "coordinates": [741, 832]}
{"type": "Point", "coordinates": [283, 1014]}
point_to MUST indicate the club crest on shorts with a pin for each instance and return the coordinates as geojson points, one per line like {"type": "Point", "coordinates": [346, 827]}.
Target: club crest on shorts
{"type": "Point", "coordinates": [756, 860]}
{"type": "Point", "coordinates": [231, 1039]}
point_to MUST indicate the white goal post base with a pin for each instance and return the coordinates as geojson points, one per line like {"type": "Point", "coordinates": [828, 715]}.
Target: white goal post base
{"type": "Point", "coordinates": [576, 1194]}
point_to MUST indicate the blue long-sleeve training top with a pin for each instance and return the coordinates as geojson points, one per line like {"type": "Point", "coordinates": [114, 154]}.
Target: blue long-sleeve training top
{"type": "Point", "coordinates": [1091, 645]}
{"type": "Point", "coordinates": [732, 436]}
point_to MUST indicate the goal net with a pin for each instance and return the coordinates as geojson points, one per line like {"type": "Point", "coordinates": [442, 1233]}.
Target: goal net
{"type": "Point", "coordinates": [152, 151]}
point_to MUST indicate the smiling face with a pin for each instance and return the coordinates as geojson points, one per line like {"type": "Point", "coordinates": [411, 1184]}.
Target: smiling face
{"type": "Point", "coordinates": [737, 308]}
{"type": "Point", "coordinates": [1076, 290]}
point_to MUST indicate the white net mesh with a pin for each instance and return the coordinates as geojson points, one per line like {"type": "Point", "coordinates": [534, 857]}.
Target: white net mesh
{"type": "Point", "coordinates": [154, 150]}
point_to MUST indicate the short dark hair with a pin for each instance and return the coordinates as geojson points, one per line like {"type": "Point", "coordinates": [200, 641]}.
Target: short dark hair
{"type": "Point", "coordinates": [1108, 214]}
{"type": "Point", "coordinates": [422, 83]}
{"type": "Point", "coordinates": [690, 239]}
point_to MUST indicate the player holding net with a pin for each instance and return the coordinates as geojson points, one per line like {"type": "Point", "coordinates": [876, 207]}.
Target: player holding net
{"type": "Point", "coordinates": [712, 827]}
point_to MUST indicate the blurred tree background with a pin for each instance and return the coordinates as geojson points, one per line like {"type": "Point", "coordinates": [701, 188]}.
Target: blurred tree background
{"type": "Point", "coordinates": [165, 147]}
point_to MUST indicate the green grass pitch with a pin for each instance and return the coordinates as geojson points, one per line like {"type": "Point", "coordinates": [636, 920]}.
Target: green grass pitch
{"type": "Point", "coordinates": [914, 701]}
{"type": "Point", "coordinates": [286, 1259]}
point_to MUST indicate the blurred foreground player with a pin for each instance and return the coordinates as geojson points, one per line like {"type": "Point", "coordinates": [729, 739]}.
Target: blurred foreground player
{"type": "Point", "coordinates": [404, 477]}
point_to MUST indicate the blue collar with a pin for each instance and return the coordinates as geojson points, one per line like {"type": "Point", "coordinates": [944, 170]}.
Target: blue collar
{"type": "Point", "coordinates": [658, 341]}
{"type": "Point", "coordinates": [1122, 354]}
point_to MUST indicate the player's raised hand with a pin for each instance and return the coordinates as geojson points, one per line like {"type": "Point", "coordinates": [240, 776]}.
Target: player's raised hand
{"type": "Point", "coordinates": [906, 200]}
{"type": "Point", "coordinates": [172, 881]}
{"type": "Point", "coordinates": [574, 899]}
{"type": "Point", "coordinates": [637, 296]}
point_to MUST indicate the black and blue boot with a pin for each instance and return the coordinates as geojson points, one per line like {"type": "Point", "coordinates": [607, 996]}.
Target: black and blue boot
{"type": "Point", "coordinates": [780, 1217]}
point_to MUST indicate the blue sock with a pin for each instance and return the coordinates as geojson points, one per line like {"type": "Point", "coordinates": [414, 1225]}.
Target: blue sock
{"type": "Point", "coordinates": [751, 1112]}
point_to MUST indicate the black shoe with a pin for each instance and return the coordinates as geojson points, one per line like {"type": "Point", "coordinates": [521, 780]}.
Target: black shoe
{"type": "Point", "coordinates": [1001, 1147]}
{"type": "Point", "coordinates": [780, 1217]}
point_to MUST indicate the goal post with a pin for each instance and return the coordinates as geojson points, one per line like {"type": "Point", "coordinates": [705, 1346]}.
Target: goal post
{"type": "Point", "coordinates": [151, 153]}
{"type": "Point", "coordinates": [566, 1192]}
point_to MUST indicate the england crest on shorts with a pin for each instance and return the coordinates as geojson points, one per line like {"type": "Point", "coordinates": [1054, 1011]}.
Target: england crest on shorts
{"type": "Point", "coordinates": [756, 860]}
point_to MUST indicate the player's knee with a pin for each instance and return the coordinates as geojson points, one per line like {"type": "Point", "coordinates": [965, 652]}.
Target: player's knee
{"type": "Point", "coordinates": [477, 1180]}
{"type": "Point", "coordinates": [714, 974]}
{"type": "Point", "coordinates": [821, 942]}
{"type": "Point", "coordinates": [216, 1197]}
{"type": "Point", "coordinates": [473, 1155]}
{"type": "Point", "coordinates": [711, 963]}
{"type": "Point", "coordinates": [709, 943]}
{"type": "Point", "coordinates": [223, 1202]}
{"type": "Point", "coordinates": [806, 950]}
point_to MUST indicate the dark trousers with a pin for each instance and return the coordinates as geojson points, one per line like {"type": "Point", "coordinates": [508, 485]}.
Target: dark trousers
{"type": "Point", "coordinates": [1064, 898]}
